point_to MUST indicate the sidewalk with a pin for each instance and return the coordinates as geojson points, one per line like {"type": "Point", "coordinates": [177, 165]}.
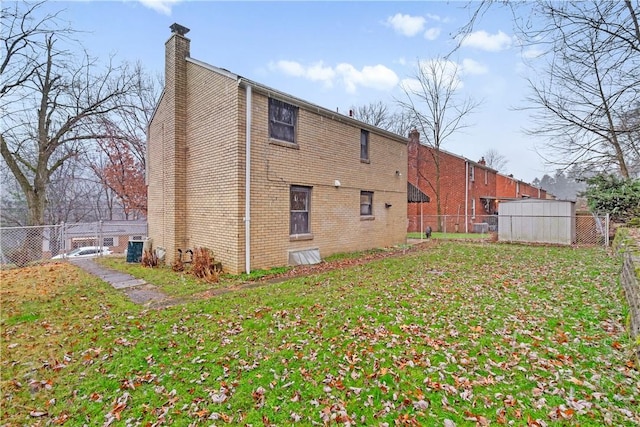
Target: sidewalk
{"type": "Point", "coordinates": [138, 291]}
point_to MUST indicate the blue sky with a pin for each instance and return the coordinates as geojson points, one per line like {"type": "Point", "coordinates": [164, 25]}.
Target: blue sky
{"type": "Point", "coordinates": [335, 54]}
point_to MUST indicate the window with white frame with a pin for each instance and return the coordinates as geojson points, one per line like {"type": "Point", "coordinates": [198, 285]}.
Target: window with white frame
{"type": "Point", "coordinates": [472, 173]}
{"type": "Point", "coordinates": [282, 120]}
{"type": "Point", "coordinates": [300, 198]}
{"type": "Point", "coordinates": [473, 208]}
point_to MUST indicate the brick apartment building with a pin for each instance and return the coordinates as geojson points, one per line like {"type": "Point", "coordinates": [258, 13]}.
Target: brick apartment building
{"type": "Point", "coordinates": [469, 191]}
{"type": "Point", "coordinates": [508, 187]}
{"type": "Point", "coordinates": [262, 178]}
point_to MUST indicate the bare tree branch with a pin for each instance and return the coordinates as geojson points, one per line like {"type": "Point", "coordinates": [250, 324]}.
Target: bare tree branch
{"type": "Point", "coordinates": [433, 102]}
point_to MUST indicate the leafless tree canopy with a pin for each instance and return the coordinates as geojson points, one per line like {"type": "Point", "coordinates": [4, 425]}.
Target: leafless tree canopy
{"type": "Point", "coordinates": [51, 101]}
{"type": "Point", "coordinates": [591, 82]}
{"type": "Point", "coordinates": [583, 96]}
{"type": "Point", "coordinates": [495, 160]}
{"type": "Point", "coordinates": [380, 115]}
{"type": "Point", "coordinates": [434, 103]}
{"type": "Point", "coordinates": [53, 97]}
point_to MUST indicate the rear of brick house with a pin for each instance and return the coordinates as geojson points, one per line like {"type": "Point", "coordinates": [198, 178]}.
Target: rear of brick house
{"type": "Point", "coordinates": [467, 189]}
{"type": "Point", "coordinates": [508, 187]}
{"type": "Point", "coordinates": [316, 180]}
{"type": "Point", "coordinates": [470, 192]}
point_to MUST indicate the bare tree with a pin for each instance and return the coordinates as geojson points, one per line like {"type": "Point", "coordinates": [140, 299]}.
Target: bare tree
{"type": "Point", "coordinates": [123, 164]}
{"type": "Point", "coordinates": [434, 103]}
{"type": "Point", "coordinates": [631, 140]}
{"type": "Point", "coordinates": [589, 80]}
{"type": "Point", "coordinates": [494, 159]}
{"type": "Point", "coordinates": [72, 190]}
{"type": "Point", "coordinates": [379, 114]}
{"type": "Point", "coordinates": [51, 107]}
{"type": "Point", "coordinates": [374, 113]}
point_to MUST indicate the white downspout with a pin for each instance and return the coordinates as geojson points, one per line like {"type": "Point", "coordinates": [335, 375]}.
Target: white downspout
{"type": "Point", "coordinates": [466, 196]}
{"type": "Point", "coordinates": [247, 185]}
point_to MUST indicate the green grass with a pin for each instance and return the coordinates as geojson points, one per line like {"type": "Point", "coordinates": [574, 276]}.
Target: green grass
{"type": "Point", "coordinates": [461, 331]}
{"type": "Point", "coordinates": [449, 236]}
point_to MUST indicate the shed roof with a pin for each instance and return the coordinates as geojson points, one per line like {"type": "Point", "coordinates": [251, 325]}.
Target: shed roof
{"type": "Point", "coordinates": [415, 195]}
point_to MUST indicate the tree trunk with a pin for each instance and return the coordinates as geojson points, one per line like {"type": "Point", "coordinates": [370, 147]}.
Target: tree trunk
{"type": "Point", "coordinates": [36, 204]}
{"type": "Point", "coordinates": [437, 191]}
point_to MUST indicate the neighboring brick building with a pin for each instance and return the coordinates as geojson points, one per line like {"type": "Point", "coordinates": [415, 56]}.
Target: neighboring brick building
{"type": "Point", "coordinates": [508, 187]}
{"type": "Point", "coordinates": [469, 191]}
{"type": "Point", "coordinates": [317, 183]}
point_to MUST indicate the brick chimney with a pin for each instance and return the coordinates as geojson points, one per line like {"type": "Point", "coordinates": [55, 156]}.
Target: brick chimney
{"type": "Point", "coordinates": [482, 161]}
{"type": "Point", "coordinates": [175, 139]}
{"type": "Point", "coordinates": [413, 143]}
{"type": "Point", "coordinates": [413, 150]}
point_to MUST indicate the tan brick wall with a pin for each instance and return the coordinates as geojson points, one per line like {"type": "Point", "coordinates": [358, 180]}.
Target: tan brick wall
{"type": "Point", "coordinates": [327, 150]}
{"type": "Point", "coordinates": [156, 169]}
{"type": "Point", "coordinates": [201, 204]}
{"type": "Point", "coordinates": [215, 166]}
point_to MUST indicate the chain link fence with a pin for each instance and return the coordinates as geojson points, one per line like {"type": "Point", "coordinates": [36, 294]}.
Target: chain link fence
{"type": "Point", "coordinates": [580, 229]}
{"type": "Point", "coordinates": [22, 245]}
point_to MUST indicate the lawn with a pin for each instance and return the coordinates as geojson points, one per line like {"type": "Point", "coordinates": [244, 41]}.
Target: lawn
{"type": "Point", "coordinates": [460, 333]}
{"type": "Point", "coordinates": [450, 236]}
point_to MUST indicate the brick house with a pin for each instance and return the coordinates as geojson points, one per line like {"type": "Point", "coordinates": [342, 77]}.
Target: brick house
{"type": "Point", "coordinates": [469, 191]}
{"type": "Point", "coordinates": [508, 187]}
{"type": "Point", "coordinates": [262, 178]}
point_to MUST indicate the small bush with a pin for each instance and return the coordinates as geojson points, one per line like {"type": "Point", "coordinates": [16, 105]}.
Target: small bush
{"type": "Point", "coordinates": [178, 265]}
{"type": "Point", "coordinates": [204, 265]}
{"type": "Point", "coordinates": [149, 259]}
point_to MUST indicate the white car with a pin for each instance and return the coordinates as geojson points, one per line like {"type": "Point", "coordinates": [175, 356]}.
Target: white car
{"type": "Point", "coordinates": [85, 252]}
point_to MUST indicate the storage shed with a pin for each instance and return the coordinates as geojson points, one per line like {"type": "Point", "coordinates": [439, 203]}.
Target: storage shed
{"type": "Point", "coordinates": [537, 221]}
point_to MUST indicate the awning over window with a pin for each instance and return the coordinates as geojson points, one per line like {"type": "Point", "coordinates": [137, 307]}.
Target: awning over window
{"type": "Point", "coordinates": [414, 195]}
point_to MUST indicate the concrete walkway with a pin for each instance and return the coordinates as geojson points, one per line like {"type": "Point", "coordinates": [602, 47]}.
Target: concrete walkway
{"type": "Point", "coordinates": [137, 290]}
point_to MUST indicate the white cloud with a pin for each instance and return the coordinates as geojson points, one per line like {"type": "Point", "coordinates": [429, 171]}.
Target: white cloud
{"type": "Point", "coordinates": [406, 25]}
{"type": "Point", "coordinates": [432, 33]}
{"type": "Point", "coordinates": [411, 85]}
{"type": "Point", "coordinates": [316, 72]}
{"type": "Point", "coordinates": [469, 66]}
{"type": "Point", "coordinates": [489, 42]}
{"type": "Point", "coordinates": [375, 77]}
{"type": "Point", "coordinates": [446, 72]}
{"type": "Point", "coordinates": [437, 18]}
{"type": "Point", "coordinates": [532, 53]}
{"type": "Point", "coordinates": [443, 70]}
{"type": "Point", "coordinates": [290, 68]}
{"type": "Point", "coordinates": [160, 6]}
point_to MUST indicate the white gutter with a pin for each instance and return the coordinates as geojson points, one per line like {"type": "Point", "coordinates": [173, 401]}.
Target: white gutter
{"type": "Point", "coordinates": [466, 197]}
{"type": "Point", "coordinates": [247, 185]}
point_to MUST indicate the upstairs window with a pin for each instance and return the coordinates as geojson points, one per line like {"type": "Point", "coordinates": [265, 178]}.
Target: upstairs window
{"type": "Point", "coordinates": [472, 173]}
{"type": "Point", "coordinates": [366, 203]}
{"type": "Point", "coordinates": [299, 204]}
{"type": "Point", "coordinates": [282, 120]}
{"type": "Point", "coordinates": [364, 145]}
